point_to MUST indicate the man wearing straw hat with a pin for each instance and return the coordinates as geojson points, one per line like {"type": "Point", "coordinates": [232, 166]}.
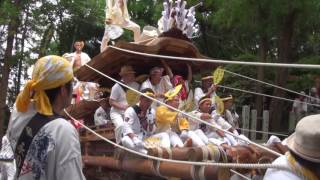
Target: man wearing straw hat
{"type": "Point", "coordinates": [303, 158]}
{"type": "Point", "coordinates": [118, 98]}
{"type": "Point", "coordinates": [46, 145]}
{"type": "Point", "coordinates": [207, 88]}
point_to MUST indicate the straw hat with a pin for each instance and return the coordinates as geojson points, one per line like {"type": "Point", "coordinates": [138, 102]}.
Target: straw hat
{"type": "Point", "coordinates": [305, 142]}
{"type": "Point", "coordinates": [126, 70]}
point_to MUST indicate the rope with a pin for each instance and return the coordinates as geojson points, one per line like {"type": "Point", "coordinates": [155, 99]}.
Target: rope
{"type": "Point", "coordinates": [222, 165]}
{"type": "Point", "coordinates": [218, 61]}
{"type": "Point", "coordinates": [239, 174]}
{"type": "Point", "coordinates": [263, 132]}
{"type": "Point", "coordinates": [266, 95]}
{"type": "Point", "coordinates": [269, 84]}
{"type": "Point", "coordinates": [184, 113]}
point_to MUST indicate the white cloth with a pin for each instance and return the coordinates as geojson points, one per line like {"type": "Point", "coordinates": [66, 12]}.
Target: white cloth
{"type": "Point", "coordinates": [161, 88]}
{"type": "Point", "coordinates": [198, 94]}
{"type": "Point", "coordinates": [54, 152]}
{"type": "Point", "coordinates": [116, 115]}
{"type": "Point", "coordinates": [101, 117]}
{"type": "Point", "coordinates": [272, 174]}
{"type": "Point", "coordinates": [232, 119]}
{"type": "Point", "coordinates": [83, 56]}
{"type": "Point", "coordinates": [7, 169]}
{"type": "Point", "coordinates": [299, 105]}
{"type": "Point", "coordinates": [118, 94]}
{"type": "Point", "coordinates": [221, 121]}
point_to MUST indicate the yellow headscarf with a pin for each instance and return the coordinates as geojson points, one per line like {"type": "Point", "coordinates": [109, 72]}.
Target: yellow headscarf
{"type": "Point", "coordinates": [49, 72]}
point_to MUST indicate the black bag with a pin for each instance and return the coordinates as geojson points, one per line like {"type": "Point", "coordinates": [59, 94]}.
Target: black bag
{"type": "Point", "coordinates": [27, 135]}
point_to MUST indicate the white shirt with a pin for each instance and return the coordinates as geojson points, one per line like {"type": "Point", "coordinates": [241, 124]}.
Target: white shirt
{"type": "Point", "coordinates": [198, 94]}
{"type": "Point", "coordinates": [194, 124]}
{"type": "Point", "coordinates": [132, 123]}
{"type": "Point", "coordinates": [273, 174]}
{"type": "Point", "coordinates": [161, 88]}
{"type": "Point", "coordinates": [118, 94]}
{"type": "Point", "coordinates": [84, 57]}
{"type": "Point", "coordinates": [54, 152]}
{"type": "Point", "coordinates": [300, 106]}
{"type": "Point", "coordinates": [220, 121]}
{"type": "Point", "coordinates": [101, 117]}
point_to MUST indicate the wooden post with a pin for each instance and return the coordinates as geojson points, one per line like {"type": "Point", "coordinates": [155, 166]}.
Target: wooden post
{"type": "Point", "coordinates": [253, 124]}
{"type": "Point", "coordinates": [265, 125]}
{"type": "Point", "coordinates": [246, 119]}
{"type": "Point", "coordinates": [292, 121]}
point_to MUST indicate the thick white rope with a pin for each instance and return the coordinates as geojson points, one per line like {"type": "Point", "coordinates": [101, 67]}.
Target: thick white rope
{"type": "Point", "coordinates": [239, 174]}
{"type": "Point", "coordinates": [184, 113]}
{"type": "Point", "coordinates": [263, 132]}
{"type": "Point", "coordinates": [222, 165]}
{"type": "Point", "coordinates": [266, 95]}
{"type": "Point", "coordinates": [269, 84]}
{"type": "Point", "coordinates": [218, 61]}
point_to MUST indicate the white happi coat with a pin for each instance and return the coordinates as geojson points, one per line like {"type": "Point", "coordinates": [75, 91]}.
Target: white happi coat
{"type": "Point", "coordinates": [54, 152]}
{"type": "Point", "coordinates": [133, 124]}
{"type": "Point", "coordinates": [101, 117]}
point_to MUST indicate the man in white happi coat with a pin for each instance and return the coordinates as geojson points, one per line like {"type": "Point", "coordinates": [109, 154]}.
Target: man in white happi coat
{"type": "Point", "coordinates": [303, 158]}
{"type": "Point", "coordinates": [118, 98]}
{"type": "Point", "coordinates": [117, 14]}
{"type": "Point", "coordinates": [138, 123]}
{"type": "Point", "coordinates": [213, 135]}
{"type": "Point", "coordinates": [207, 89]}
{"type": "Point", "coordinates": [102, 114]}
{"type": "Point", "coordinates": [158, 83]}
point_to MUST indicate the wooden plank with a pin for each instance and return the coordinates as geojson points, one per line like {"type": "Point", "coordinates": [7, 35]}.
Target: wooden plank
{"type": "Point", "coordinates": [254, 113]}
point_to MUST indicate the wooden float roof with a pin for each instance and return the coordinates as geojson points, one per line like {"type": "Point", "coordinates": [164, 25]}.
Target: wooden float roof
{"type": "Point", "coordinates": [111, 60]}
{"type": "Point", "coordinates": [82, 110]}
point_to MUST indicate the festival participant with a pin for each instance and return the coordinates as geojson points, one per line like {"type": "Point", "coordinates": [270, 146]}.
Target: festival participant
{"type": "Point", "coordinates": [139, 123]}
{"type": "Point", "coordinates": [300, 107]}
{"type": "Point", "coordinates": [102, 114]}
{"type": "Point", "coordinates": [303, 158]}
{"type": "Point", "coordinates": [158, 83]}
{"type": "Point", "coordinates": [315, 93]}
{"type": "Point", "coordinates": [46, 145]}
{"type": "Point", "coordinates": [231, 117]}
{"type": "Point", "coordinates": [78, 58]}
{"type": "Point", "coordinates": [213, 135]}
{"type": "Point", "coordinates": [117, 14]}
{"type": "Point", "coordinates": [173, 123]}
{"type": "Point", "coordinates": [186, 93]}
{"type": "Point", "coordinates": [207, 89]}
{"type": "Point", "coordinates": [118, 100]}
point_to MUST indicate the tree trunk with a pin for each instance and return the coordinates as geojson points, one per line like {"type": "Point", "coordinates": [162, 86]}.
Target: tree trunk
{"type": "Point", "coordinates": [24, 34]}
{"type": "Point", "coordinates": [12, 29]}
{"type": "Point", "coordinates": [285, 39]}
{"type": "Point", "coordinates": [45, 42]}
{"type": "Point", "coordinates": [263, 53]}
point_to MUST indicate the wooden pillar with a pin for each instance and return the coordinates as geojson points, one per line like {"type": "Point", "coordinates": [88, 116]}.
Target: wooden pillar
{"type": "Point", "coordinates": [254, 114]}
{"type": "Point", "coordinates": [246, 119]}
{"type": "Point", "coordinates": [265, 125]}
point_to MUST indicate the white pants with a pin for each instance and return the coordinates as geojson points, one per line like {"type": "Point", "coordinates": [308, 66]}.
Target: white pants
{"type": "Point", "coordinates": [127, 25]}
{"type": "Point", "coordinates": [117, 120]}
{"type": "Point", "coordinates": [169, 139]}
{"type": "Point", "coordinates": [195, 136]}
{"type": "Point", "coordinates": [126, 141]}
{"type": "Point", "coordinates": [164, 139]}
